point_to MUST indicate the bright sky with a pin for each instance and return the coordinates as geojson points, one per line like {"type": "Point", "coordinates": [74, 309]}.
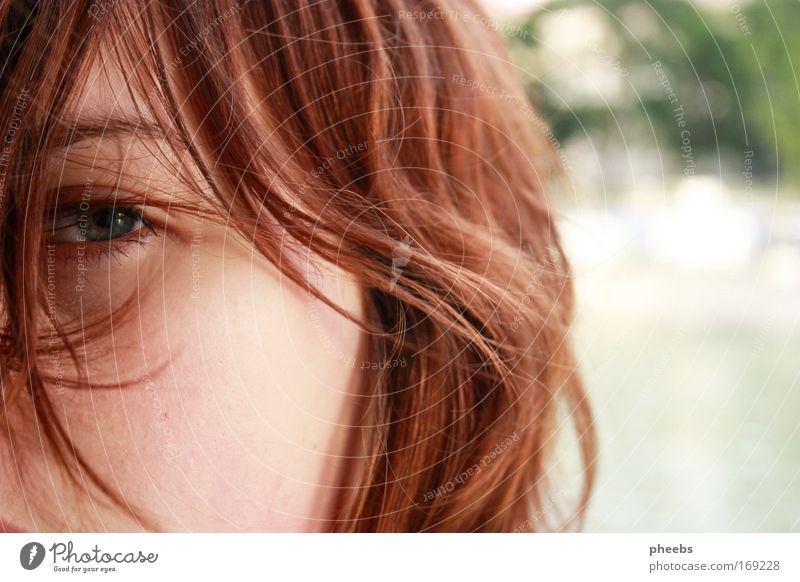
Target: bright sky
{"type": "Point", "coordinates": [511, 7]}
{"type": "Point", "coordinates": [507, 7]}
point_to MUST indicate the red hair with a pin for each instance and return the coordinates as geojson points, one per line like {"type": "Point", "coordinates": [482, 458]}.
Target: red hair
{"type": "Point", "coordinates": [438, 205]}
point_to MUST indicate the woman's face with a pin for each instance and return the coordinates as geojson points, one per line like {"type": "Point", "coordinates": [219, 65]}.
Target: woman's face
{"type": "Point", "coordinates": [242, 383]}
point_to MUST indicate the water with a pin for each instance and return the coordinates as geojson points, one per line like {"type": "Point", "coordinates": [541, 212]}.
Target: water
{"type": "Point", "coordinates": [695, 379]}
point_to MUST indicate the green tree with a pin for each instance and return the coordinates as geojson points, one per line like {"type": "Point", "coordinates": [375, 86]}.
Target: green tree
{"type": "Point", "coordinates": [731, 72]}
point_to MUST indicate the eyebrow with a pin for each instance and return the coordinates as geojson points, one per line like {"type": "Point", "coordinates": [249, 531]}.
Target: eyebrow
{"type": "Point", "coordinates": [68, 132]}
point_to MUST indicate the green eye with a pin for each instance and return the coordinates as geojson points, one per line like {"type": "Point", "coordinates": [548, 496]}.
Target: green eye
{"type": "Point", "coordinates": [111, 223]}
{"type": "Point", "coordinates": [95, 225]}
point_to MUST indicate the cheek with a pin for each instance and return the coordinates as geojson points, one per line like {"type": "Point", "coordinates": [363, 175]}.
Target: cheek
{"type": "Point", "coordinates": [246, 387]}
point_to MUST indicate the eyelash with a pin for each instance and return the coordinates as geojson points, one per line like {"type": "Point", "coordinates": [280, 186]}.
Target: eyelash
{"type": "Point", "coordinates": [95, 252]}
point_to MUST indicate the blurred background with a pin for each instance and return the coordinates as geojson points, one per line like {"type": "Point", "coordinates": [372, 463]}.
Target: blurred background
{"type": "Point", "coordinates": [678, 123]}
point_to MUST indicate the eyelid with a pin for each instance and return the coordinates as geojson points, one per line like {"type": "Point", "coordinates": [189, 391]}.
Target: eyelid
{"type": "Point", "coordinates": [84, 198]}
{"type": "Point", "coordinates": [69, 202]}
{"type": "Point", "coordinates": [169, 212]}
{"type": "Point", "coordinates": [74, 199]}
{"type": "Point", "coordinates": [94, 196]}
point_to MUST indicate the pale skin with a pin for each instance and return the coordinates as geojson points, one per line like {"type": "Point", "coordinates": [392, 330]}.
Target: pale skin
{"type": "Point", "coordinates": [241, 384]}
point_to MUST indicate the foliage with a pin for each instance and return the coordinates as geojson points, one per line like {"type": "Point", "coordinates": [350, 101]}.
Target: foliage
{"type": "Point", "coordinates": [731, 70]}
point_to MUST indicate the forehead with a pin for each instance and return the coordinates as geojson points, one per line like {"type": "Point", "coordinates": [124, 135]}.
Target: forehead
{"type": "Point", "coordinates": [106, 91]}
{"type": "Point", "coordinates": [110, 128]}
{"type": "Point", "coordinates": [109, 104]}
{"type": "Point", "coordinates": [111, 94]}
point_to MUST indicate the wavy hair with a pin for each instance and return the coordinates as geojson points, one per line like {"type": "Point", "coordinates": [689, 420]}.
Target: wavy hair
{"type": "Point", "coordinates": [433, 193]}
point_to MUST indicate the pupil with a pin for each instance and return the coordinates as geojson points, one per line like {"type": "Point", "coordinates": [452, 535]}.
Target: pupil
{"type": "Point", "coordinates": [112, 223]}
{"type": "Point", "coordinates": [103, 218]}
